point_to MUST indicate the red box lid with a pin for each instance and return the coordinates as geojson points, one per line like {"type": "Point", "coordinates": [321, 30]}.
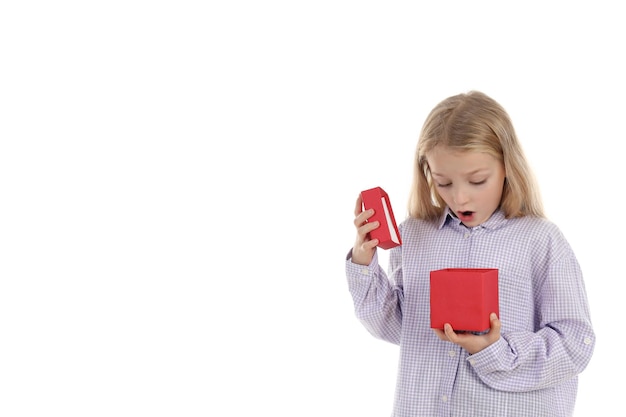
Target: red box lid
{"type": "Point", "coordinates": [387, 233]}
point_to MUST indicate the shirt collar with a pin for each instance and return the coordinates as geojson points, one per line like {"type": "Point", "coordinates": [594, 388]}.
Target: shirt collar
{"type": "Point", "coordinates": [496, 220]}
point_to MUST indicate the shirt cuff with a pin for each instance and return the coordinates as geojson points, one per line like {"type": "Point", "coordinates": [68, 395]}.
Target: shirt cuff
{"type": "Point", "coordinates": [361, 271]}
{"type": "Point", "coordinates": [490, 358]}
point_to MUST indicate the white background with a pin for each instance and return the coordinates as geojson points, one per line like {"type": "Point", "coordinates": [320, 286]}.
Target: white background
{"type": "Point", "coordinates": [177, 184]}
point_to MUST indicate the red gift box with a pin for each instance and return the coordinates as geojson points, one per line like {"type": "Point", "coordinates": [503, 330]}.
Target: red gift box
{"type": "Point", "coordinates": [387, 233]}
{"type": "Point", "coordinates": [463, 297]}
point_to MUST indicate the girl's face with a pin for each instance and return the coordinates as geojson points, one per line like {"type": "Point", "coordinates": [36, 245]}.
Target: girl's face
{"type": "Point", "coordinates": [469, 182]}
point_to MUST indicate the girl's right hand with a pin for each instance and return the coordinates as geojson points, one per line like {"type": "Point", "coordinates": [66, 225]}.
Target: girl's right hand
{"type": "Point", "coordinates": [364, 247]}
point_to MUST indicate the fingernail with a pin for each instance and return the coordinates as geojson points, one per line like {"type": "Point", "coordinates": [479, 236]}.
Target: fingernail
{"type": "Point", "coordinates": [493, 316]}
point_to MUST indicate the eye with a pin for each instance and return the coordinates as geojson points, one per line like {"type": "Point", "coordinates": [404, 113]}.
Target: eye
{"type": "Point", "coordinates": [478, 182]}
{"type": "Point", "coordinates": [444, 185]}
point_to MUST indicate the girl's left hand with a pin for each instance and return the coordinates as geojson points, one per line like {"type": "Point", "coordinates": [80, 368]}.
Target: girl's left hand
{"type": "Point", "coordinates": [471, 342]}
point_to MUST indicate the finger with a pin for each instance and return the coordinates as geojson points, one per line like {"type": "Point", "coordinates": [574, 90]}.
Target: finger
{"type": "Point", "coordinates": [441, 335]}
{"type": "Point", "coordinates": [364, 238]}
{"type": "Point", "coordinates": [449, 331]}
{"type": "Point", "coordinates": [495, 324]}
{"type": "Point", "coordinates": [360, 219]}
{"type": "Point", "coordinates": [368, 245]}
{"type": "Point", "coordinates": [368, 227]}
{"type": "Point", "coordinates": [358, 208]}
{"type": "Point", "coordinates": [363, 225]}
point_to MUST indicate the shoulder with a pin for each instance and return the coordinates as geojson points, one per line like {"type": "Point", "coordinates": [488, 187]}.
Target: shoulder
{"type": "Point", "coordinates": [413, 224]}
{"type": "Point", "coordinates": [418, 230]}
{"type": "Point", "coordinates": [542, 234]}
{"type": "Point", "coordinates": [536, 226]}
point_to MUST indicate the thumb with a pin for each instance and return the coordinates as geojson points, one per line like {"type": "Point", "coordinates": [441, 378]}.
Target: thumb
{"type": "Point", "coordinates": [495, 322]}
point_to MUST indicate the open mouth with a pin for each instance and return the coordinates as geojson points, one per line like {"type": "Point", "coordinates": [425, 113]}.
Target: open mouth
{"type": "Point", "coordinates": [465, 215]}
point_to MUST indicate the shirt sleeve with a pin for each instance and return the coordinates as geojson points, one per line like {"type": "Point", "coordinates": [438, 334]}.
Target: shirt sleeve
{"type": "Point", "coordinates": [558, 350]}
{"type": "Point", "coordinates": [377, 299]}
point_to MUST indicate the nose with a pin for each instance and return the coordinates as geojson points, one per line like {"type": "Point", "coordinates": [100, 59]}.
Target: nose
{"type": "Point", "coordinates": [460, 196]}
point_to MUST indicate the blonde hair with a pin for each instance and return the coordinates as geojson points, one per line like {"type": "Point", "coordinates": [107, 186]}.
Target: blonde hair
{"type": "Point", "coordinates": [473, 122]}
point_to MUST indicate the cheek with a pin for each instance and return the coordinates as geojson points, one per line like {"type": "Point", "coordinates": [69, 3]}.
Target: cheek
{"type": "Point", "coordinates": [443, 194]}
{"type": "Point", "coordinates": [494, 193]}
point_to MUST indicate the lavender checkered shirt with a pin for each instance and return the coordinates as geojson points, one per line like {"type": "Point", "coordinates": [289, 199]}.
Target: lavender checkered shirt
{"type": "Point", "coordinates": [546, 339]}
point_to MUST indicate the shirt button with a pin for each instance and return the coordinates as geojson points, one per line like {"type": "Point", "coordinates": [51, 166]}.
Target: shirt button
{"type": "Point", "coordinates": [444, 398]}
{"type": "Point", "coordinates": [365, 271]}
{"type": "Point", "coordinates": [472, 362]}
{"type": "Point", "coordinates": [466, 235]}
{"type": "Point", "coordinates": [452, 353]}
{"type": "Point", "coordinates": [587, 340]}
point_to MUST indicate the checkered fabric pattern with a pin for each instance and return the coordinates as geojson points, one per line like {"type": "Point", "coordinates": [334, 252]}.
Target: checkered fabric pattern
{"type": "Point", "coordinates": [546, 339]}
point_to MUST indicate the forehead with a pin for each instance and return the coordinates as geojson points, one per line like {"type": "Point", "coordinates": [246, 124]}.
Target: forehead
{"type": "Point", "coordinates": [446, 161]}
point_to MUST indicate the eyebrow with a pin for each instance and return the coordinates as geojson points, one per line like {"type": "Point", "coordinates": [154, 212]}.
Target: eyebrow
{"type": "Point", "coordinates": [476, 171]}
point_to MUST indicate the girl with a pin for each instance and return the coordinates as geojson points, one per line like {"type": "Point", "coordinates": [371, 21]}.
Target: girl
{"type": "Point", "coordinates": [474, 204]}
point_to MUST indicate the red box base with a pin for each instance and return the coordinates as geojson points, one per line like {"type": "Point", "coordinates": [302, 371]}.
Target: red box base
{"type": "Point", "coordinates": [463, 297]}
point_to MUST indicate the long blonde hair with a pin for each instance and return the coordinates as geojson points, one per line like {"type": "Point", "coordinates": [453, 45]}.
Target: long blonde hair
{"type": "Point", "coordinates": [473, 122]}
